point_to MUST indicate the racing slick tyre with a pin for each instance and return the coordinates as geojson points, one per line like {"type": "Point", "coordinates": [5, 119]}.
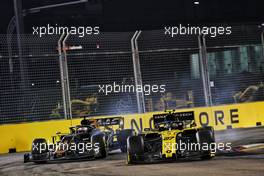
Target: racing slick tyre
{"type": "Point", "coordinates": [122, 138]}
{"type": "Point", "coordinates": [39, 151]}
{"type": "Point", "coordinates": [206, 136]}
{"type": "Point", "coordinates": [26, 157]}
{"type": "Point", "coordinates": [135, 149]}
{"type": "Point", "coordinates": [99, 140]}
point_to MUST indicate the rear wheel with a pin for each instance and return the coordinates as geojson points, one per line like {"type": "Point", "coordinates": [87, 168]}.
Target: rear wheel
{"type": "Point", "coordinates": [122, 138]}
{"type": "Point", "coordinates": [135, 149]}
{"type": "Point", "coordinates": [100, 143]}
{"type": "Point", "coordinates": [39, 151]}
{"type": "Point", "coordinates": [207, 157]}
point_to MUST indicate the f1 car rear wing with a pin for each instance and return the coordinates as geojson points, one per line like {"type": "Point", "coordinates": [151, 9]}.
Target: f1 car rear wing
{"type": "Point", "coordinates": [107, 121]}
{"type": "Point", "coordinates": [110, 121]}
{"type": "Point", "coordinates": [173, 116]}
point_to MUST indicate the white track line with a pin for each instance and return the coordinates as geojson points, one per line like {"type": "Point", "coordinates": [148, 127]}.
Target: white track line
{"type": "Point", "coordinates": [253, 145]}
{"type": "Point", "coordinates": [82, 169]}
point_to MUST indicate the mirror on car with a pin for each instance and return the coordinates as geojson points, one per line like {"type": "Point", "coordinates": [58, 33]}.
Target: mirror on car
{"type": "Point", "coordinates": [193, 124]}
{"type": "Point", "coordinates": [146, 129]}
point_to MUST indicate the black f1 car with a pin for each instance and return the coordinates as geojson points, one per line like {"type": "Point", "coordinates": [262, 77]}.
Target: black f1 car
{"type": "Point", "coordinates": [175, 136]}
{"type": "Point", "coordinates": [116, 135]}
{"type": "Point", "coordinates": [87, 140]}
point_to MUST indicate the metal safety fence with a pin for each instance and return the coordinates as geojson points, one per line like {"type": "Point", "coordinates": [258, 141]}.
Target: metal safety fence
{"type": "Point", "coordinates": [57, 77]}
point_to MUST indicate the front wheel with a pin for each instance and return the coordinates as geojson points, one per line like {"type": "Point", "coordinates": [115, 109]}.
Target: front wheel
{"type": "Point", "coordinates": [39, 151]}
{"type": "Point", "coordinates": [206, 137]}
{"type": "Point", "coordinates": [135, 149]}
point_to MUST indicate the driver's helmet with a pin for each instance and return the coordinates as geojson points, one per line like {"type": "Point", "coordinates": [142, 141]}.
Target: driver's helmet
{"type": "Point", "coordinates": [91, 122]}
{"type": "Point", "coordinates": [82, 130]}
{"type": "Point", "coordinates": [108, 121]}
{"type": "Point", "coordinates": [94, 123]}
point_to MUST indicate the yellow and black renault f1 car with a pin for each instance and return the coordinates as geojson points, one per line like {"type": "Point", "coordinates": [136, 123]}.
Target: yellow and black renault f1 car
{"type": "Point", "coordinates": [94, 138]}
{"type": "Point", "coordinates": [174, 136]}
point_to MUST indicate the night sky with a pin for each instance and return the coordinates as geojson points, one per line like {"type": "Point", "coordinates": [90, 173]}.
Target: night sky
{"type": "Point", "coordinates": [127, 15]}
{"type": "Point", "coordinates": [110, 15]}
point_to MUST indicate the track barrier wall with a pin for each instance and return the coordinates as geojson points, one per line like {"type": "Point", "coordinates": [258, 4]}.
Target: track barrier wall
{"type": "Point", "coordinates": [19, 137]}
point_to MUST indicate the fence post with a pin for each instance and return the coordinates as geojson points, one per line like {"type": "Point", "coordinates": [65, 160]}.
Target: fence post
{"type": "Point", "coordinates": [262, 43]}
{"type": "Point", "coordinates": [137, 72]}
{"type": "Point", "coordinates": [64, 76]}
{"type": "Point", "coordinates": [203, 60]}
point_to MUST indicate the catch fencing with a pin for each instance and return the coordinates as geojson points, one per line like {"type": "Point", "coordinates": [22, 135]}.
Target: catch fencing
{"type": "Point", "coordinates": [57, 77]}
